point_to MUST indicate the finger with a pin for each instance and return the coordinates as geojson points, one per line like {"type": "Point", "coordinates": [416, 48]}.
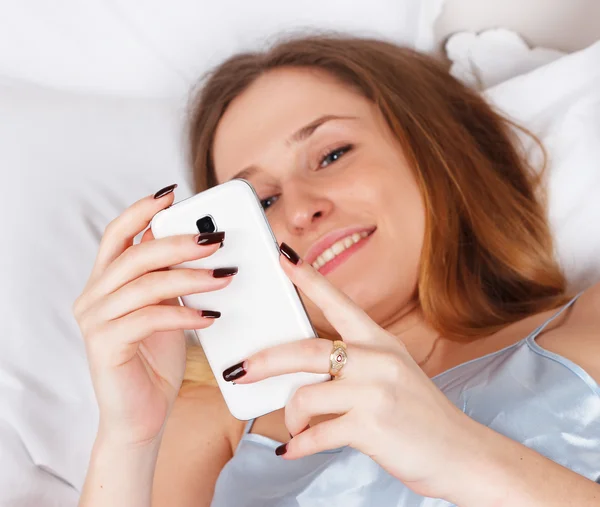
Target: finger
{"type": "Point", "coordinates": [319, 399]}
{"type": "Point", "coordinates": [118, 341]}
{"type": "Point", "coordinates": [309, 356]}
{"type": "Point", "coordinates": [325, 436]}
{"type": "Point", "coordinates": [353, 324]}
{"type": "Point", "coordinates": [140, 324]}
{"type": "Point", "coordinates": [313, 356]}
{"type": "Point", "coordinates": [119, 233]}
{"type": "Point", "coordinates": [147, 236]}
{"type": "Point", "coordinates": [150, 256]}
{"type": "Point", "coordinates": [153, 288]}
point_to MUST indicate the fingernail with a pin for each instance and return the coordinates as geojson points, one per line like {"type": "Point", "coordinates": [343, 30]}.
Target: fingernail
{"type": "Point", "coordinates": [289, 253]}
{"type": "Point", "coordinates": [281, 450]}
{"type": "Point", "coordinates": [224, 272]}
{"type": "Point", "coordinates": [234, 372]}
{"type": "Point", "coordinates": [210, 238]}
{"type": "Point", "coordinates": [164, 191]}
{"type": "Point", "coordinates": [209, 314]}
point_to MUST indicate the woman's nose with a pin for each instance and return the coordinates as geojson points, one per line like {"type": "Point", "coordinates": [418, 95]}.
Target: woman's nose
{"type": "Point", "coordinates": [305, 209]}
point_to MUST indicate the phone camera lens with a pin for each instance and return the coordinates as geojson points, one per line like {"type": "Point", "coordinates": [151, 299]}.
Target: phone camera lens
{"type": "Point", "coordinates": [206, 224]}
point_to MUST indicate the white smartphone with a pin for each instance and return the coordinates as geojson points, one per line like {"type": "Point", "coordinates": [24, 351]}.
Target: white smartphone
{"type": "Point", "coordinates": [260, 308]}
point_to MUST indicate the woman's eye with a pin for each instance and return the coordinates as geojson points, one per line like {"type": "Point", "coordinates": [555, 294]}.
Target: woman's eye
{"type": "Point", "coordinates": [334, 155]}
{"type": "Point", "coordinates": [268, 202]}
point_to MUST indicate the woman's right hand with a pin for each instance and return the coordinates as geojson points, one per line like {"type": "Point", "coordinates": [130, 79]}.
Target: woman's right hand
{"type": "Point", "coordinates": [133, 325]}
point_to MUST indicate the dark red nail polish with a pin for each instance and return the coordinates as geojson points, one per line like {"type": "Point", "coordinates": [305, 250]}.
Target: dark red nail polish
{"type": "Point", "coordinates": [281, 450]}
{"type": "Point", "coordinates": [224, 272]}
{"type": "Point", "coordinates": [289, 253]}
{"type": "Point", "coordinates": [164, 191]}
{"type": "Point", "coordinates": [234, 372]}
{"type": "Point", "coordinates": [210, 314]}
{"type": "Point", "coordinates": [210, 238]}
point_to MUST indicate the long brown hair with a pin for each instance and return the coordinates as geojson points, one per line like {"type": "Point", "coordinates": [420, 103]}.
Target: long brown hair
{"type": "Point", "coordinates": [488, 257]}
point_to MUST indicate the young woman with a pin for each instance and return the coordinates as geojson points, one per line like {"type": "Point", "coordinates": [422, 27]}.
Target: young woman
{"type": "Point", "coordinates": [471, 375]}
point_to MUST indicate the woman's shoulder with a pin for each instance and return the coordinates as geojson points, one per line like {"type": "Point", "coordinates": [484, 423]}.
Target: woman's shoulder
{"type": "Point", "coordinates": [578, 337]}
{"type": "Point", "coordinates": [586, 308]}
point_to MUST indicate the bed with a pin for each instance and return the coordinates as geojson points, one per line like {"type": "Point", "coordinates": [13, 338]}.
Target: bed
{"type": "Point", "coordinates": [92, 108]}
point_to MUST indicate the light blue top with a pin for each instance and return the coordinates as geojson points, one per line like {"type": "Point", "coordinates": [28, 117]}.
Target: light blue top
{"type": "Point", "coordinates": [533, 396]}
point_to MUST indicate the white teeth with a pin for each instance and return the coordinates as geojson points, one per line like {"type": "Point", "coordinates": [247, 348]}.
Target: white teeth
{"type": "Point", "coordinates": [328, 255]}
{"type": "Point", "coordinates": [337, 248]}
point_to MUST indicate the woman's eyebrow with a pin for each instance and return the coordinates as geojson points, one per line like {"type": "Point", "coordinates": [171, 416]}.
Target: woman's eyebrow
{"type": "Point", "coordinates": [306, 131]}
{"type": "Point", "coordinates": [300, 135]}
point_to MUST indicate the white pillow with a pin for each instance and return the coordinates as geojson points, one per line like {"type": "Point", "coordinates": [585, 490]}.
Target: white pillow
{"type": "Point", "coordinates": [70, 163]}
{"type": "Point", "coordinates": [158, 48]}
{"type": "Point", "coordinates": [485, 59]}
{"type": "Point", "coordinates": [560, 103]}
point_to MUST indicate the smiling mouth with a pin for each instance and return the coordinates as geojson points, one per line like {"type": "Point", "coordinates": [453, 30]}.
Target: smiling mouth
{"type": "Point", "coordinates": [339, 247]}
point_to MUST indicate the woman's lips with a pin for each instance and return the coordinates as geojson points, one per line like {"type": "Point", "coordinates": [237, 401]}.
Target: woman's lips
{"type": "Point", "coordinates": [342, 257]}
{"type": "Point", "coordinates": [331, 251]}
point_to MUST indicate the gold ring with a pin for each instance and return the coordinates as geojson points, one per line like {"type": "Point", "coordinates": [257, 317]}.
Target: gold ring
{"type": "Point", "coordinates": [337, 358]}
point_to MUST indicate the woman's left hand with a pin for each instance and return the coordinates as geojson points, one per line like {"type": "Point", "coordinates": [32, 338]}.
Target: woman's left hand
{"type": "Point", "coordinates": [388, 408]}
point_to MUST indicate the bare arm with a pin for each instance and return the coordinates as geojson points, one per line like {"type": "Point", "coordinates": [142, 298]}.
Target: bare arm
{"type": "Point", "coordinates": [195, 445]}
{"type": "Point", "coordinates": [119, 474]}
{"type": "Point", "coordinates": [503, 473]}
{"type": "Point", "coordinates": [198, 440]}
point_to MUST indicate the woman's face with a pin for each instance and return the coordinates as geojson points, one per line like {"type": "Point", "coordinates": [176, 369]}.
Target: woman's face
{"type": "Point", "coordinates": [333, 181]}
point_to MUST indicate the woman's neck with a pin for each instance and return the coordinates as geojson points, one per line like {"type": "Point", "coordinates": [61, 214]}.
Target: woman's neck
{"type": "Point", "coordinates": [410, 327]}
{"type": "Point", "coordinates": [421, 340]}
